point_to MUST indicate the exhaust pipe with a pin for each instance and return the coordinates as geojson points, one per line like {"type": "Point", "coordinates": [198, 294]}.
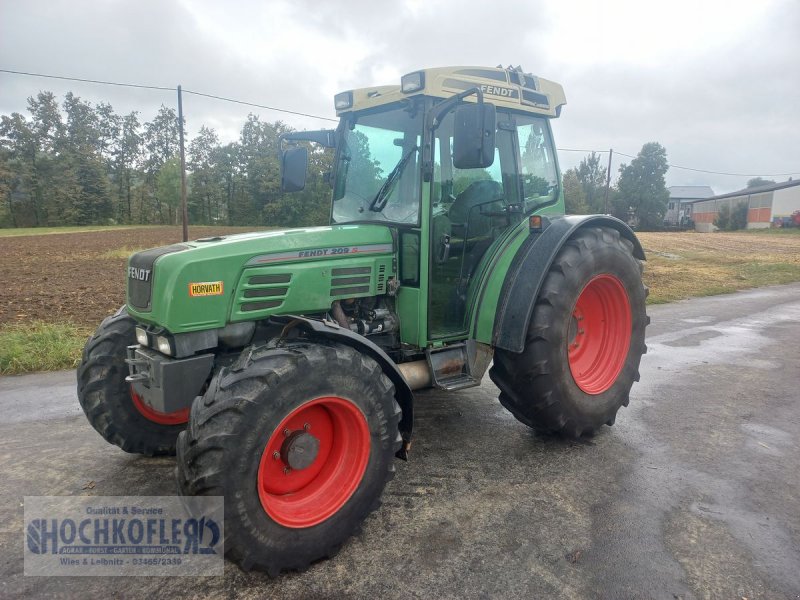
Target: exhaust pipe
{"type": "Point", "coordinates": [417, 374]}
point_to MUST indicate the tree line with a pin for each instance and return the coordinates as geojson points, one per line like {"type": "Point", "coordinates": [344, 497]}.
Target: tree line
{"type": "Point", "coordinates": [76, 163]}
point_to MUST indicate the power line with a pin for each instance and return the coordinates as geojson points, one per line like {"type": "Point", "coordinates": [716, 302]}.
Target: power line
{"type": "Point", "coordinates": [579, 150]}
{"type": "Point", "coordinates": [720, 172]}
{"type": "Point", "coordinates": [283, 110]}
{"type": "Point", "coordinates": [168, 89]}
{"type": "Point", "coordinates": [131, 85]}
{"type": "Point", "coordinates": [687, 168]}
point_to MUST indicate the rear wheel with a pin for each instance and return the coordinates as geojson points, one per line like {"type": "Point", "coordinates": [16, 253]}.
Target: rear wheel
{"type": "Point", "coordinates": [300, 441]}
{"type": "Point", "coordinates": [584, 342]}
{"type": "Point", "coordinates": [109, 402]}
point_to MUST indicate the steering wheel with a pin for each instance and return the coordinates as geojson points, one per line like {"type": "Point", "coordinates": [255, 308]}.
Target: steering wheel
{"type": "Point", "coordinates": [396, 212]}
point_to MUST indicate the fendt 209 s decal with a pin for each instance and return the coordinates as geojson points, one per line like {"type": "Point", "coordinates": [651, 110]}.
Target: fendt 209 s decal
{"type": "Point", "coordinates": [319, 252]}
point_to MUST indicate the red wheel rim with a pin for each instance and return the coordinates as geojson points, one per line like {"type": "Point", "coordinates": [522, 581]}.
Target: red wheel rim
{"type": "Point", "coordinates": [179, 417]}
{"type": "Point", "coordinates": [599, 334]}
{"type": "Point", "coordinates": [307, 496]}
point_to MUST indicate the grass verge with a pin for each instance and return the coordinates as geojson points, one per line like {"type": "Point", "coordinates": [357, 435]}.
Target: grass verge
{"type": "Point", "coordinates": [692, 274]}
{"type": "Point", "coordinates": [39, 346]}
{"type": "Point", "coordinates": [121, 253]}
{"type": "Point", "coordinates": [18, 231]}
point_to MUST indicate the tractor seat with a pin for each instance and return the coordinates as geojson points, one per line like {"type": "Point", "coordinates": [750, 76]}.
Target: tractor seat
{"type": "Point", "coordinates": [475, 193]}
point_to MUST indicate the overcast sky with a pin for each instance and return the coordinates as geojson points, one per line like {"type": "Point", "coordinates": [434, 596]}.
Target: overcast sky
{"type": "Point", "coordinates": [716, 82]}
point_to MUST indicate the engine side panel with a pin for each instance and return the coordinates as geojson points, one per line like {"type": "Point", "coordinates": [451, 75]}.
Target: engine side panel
{"type": "Point", "coordinates": [310, 287]}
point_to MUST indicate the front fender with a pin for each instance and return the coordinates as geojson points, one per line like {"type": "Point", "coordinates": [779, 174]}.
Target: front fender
{"type": "Point", "coordinates": [529, 267]}
{"type": "Point", "coordinates": [404, 395]}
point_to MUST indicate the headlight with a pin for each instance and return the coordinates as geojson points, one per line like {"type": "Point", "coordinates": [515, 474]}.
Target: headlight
{"type": "Point", "coordinates": [141, 336]}
{"type": "Point", "coordinates": [343, 101]}
{"type": "Point", "coordinates": [164, 345]}
{"type": "Point", "coordinates": [413, 82]}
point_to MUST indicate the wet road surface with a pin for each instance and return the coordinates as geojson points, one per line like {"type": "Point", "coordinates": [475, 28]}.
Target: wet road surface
{"type": "Point", "coordinates": [694, 493]}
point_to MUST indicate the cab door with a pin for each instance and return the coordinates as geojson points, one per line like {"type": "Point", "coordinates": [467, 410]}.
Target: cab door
{"type": "Point", "coordinates": [468, 212]}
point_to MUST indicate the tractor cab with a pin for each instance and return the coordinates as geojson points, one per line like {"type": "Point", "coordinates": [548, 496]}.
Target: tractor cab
{"type": "Point", "coordinates": [453, 159]}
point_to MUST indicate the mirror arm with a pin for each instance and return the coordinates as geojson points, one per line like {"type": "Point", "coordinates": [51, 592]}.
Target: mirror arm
{"type": "Point", "coordinates": [323, 137]}
{"type": "Point", "coordinates": [436, 114]}
{"type": "Point", "coordinates": [434, 120]}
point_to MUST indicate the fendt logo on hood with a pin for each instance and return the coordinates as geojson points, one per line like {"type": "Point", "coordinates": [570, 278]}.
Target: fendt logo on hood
{"type": "Point", "coordinates": [139, 274]}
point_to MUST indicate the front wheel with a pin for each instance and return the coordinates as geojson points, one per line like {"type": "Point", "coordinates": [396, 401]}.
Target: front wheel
{"type": "Point", "coordinates": [584, 342]}
{"type": "Point", "coordinates": [300, 442]}
{"type": "Point", "coordinates": [115, 411]}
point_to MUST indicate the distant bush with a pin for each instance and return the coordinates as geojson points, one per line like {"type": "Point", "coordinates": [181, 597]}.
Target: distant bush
{"type": "Point", "coordinates": [732, 219]}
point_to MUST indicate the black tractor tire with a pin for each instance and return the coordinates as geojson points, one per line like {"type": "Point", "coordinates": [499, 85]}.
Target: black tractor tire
{"type": "Point", "coordinates": [538, 385]}
{"type": "Point", "coordinates": [107, 399]}
{"type": "Point", "coordinates": [229, 448]}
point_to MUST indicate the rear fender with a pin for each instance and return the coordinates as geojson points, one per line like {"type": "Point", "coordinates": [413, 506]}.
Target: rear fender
{"type": "Point", "coordinates": [529, 268]}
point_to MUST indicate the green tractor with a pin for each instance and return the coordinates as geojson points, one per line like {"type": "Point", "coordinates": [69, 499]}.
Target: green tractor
{"type": "Point", "coordinates": [281, 365]}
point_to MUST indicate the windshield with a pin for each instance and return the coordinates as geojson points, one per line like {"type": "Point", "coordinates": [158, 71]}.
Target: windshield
{"type": "Point", "coordinates": [377, 175]}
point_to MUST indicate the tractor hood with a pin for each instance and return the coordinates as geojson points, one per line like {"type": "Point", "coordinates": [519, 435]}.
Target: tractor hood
{"type": "Point", "coordinates": [207, 283]}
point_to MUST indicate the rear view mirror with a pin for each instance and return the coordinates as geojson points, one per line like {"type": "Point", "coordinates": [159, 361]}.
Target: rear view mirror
{"type": "Point", "coordinates": [473, 136]}
{"type": "Point", "coordinates": [294, 163]}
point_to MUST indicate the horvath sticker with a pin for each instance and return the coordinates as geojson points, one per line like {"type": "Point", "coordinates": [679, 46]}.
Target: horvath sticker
{"type": "Point", "coordinates": [205, 288]}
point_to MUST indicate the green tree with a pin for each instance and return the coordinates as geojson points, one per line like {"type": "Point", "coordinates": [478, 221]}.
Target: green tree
{"type": "Point", "coordinates": [260, 163]}
{"type": "Point", "coordinates": [168, 186]}
{"type": "Point", "coordinates": [82, 150]}
{"type": "Point", "coordinates": [127, 157]}
{"type": "Point", "coordinates": [47, 124]}
{"type": "Point", "coordinates": [732, 218]}
{"type": "Point", "coordinates": [7, 217]}
{"type": "Point", "coordinates": [756, 182]}
{"type": "Point", "coordinates": [206, 190]}
{"type": "Point", "coordinates": [642, 191]}
{"type": "Point", "coordinates": [574, 194]}
{"type": "Point", "coordinates": [592, 176]}
{"type": "Point", "coordinates": [161, 144]}
{"type": "Point", "coordinates": [229, 177]}
{"type": "Point", "coordinates": [19, 142]}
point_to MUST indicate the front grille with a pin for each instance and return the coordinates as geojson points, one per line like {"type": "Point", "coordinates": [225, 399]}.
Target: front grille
{"type": "Point", "coordinates": [141, 274]}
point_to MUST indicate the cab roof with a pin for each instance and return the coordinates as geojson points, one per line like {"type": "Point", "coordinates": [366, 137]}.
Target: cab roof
{"type": "Point", "coordinates": [505, 88]}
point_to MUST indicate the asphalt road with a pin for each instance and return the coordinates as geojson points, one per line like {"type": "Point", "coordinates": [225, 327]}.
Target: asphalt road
{"type": "Point", "coordinates": [694, 493]}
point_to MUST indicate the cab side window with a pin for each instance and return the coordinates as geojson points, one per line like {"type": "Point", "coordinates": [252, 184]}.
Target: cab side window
{"type": "Point", "coordinates": [537, 161]}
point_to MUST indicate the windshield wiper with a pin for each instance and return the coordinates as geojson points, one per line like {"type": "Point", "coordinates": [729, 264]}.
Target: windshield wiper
{"type": "Point", "coordinates": [379, 201]}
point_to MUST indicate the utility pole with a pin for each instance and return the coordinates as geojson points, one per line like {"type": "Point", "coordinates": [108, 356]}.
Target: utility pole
{"type": "Point", "coordinates": [608, 176]}
{"type": "Point", "coordinates": [184, 210]}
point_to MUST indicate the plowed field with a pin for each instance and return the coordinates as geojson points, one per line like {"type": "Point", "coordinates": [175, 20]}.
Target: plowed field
{"type": "Point", "coordinates": [80, 277]}
{"type": "Point", "coordinates": [75, 277]}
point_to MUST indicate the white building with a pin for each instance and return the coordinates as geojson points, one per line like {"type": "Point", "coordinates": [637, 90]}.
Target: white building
{"type": "Point", "coordinates": [768, 205]}
{"type": "Point", "coordinates": [679, 209]}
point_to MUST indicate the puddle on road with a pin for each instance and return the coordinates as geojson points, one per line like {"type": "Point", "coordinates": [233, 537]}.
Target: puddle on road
{"type": "Point", "coordinates": [694, 339]}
